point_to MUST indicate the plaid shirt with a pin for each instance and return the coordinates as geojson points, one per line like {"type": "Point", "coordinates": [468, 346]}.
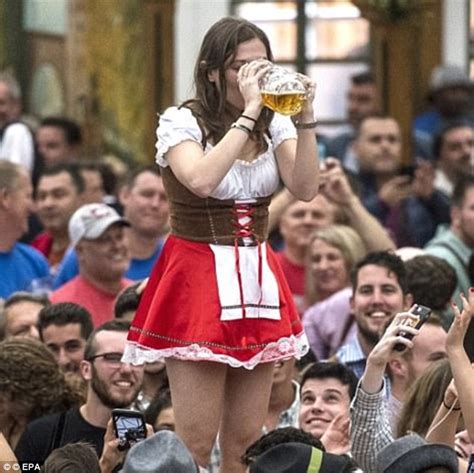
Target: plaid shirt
{"type": "Point", "coordinates": [288, 418]}
{"type": "Point", "coordinates": [370, 428]}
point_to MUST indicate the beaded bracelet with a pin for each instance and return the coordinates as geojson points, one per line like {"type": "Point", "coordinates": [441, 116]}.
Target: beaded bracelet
{"type": "Point", "coordinates": [451, 407]}
{"type": "Point", "coordinates": [239, 126]}
{"type": "Point", "coordinates": [305, 126]}
{"type": "Point", "coordinates": [248, 118]}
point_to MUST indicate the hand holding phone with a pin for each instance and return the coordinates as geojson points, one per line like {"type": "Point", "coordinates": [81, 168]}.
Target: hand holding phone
{"type": "Point", "coordinates": [422, 314]}
{"type": "Point", "coordinates": [129, 427]}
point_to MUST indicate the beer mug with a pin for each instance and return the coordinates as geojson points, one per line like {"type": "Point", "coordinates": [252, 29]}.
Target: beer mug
{"type": "Point", "coordinates": [282, 91]}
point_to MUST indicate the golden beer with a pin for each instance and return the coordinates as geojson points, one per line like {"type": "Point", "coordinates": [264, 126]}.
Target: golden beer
{"type": "Point", "coordinates": [286, 103]}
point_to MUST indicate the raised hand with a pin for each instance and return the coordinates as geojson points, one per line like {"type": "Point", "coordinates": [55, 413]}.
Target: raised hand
{"type": "Point", "coordinates": [337, 438]}
{"type": "Point", "coordinates": [461, 322]}
{"type": "Point", "coordinates": [395, 190]}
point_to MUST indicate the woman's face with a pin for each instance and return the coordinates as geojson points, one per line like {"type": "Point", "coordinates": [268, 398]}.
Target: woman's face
{"type": "Point", "coordinates": [247, 51]}
{"type": "Point", "coordinates": [328, 269]}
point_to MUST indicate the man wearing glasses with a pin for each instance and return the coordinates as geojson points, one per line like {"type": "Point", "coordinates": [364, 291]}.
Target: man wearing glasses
{"type": "Point", "coordinates": [110, 384]}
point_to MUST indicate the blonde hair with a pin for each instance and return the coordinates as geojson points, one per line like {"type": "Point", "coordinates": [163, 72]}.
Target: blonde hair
{"type": "Point", "coordinates": [346, 240]}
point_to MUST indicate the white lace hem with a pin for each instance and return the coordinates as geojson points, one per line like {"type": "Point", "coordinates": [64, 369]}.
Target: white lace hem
{"type": "Point", "coordinates": [288, 347]}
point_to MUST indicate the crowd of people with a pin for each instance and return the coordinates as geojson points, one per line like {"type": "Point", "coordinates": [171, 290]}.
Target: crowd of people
{"type": "Point", "coordinates": [253, 301]}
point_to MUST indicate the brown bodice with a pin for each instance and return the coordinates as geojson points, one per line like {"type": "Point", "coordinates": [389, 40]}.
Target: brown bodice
{"type": "Point", "coordinates": [210, 220]}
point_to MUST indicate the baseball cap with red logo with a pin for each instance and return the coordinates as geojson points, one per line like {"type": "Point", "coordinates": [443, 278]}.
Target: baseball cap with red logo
{"type": "Point", "coordinates": [91, 221]}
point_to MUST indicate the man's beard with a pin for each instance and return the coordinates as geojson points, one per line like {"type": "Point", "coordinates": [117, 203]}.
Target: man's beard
{"type": "Point", "coordinates": [112, 402]}
{"type": "Point", "coordinates": [372, 338]}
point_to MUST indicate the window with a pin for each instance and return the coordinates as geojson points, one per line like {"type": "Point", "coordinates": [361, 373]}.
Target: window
{"type": "Point", "coordinates": [325, 39]}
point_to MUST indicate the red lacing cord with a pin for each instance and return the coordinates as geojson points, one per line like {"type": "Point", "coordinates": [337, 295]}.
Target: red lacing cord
{"type": "Point", "coordinates": [245, 230]}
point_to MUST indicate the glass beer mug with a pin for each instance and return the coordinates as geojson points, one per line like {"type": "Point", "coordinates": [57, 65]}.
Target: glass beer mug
{"type": "Point", "coordinates": [282, 91]}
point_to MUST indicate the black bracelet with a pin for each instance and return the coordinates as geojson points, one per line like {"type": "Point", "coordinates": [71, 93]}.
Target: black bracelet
{"type": "Point", "coordinates": [239, 126]}
{"type": "Point", "coordinates": [305, 126]}
{"type": "Point", "coordinates": [248, 118]}
{"type": "Point", "coordinates": [452, 407]}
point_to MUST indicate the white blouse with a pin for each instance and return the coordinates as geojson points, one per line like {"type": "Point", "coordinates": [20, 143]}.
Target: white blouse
{"type": "Point", "coordinates": [245, 180]}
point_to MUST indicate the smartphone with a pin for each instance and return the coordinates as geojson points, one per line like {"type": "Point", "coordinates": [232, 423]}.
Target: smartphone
{"type": "Point", "coordinates": [129, 427]}
{"type": "Point", "coordinates": [423, 314]}
{"type": "Point", "coordinates": [408, 170]}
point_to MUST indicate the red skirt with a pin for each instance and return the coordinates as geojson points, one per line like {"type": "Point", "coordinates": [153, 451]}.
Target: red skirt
{"type": "Point", "coordinates": [180, 315]}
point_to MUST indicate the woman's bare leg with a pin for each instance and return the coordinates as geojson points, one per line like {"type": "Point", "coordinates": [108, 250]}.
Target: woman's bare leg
{"type": "Point", "coordinates": [247, 394]}
{"type": "Point", "coordinates": [197, 392]}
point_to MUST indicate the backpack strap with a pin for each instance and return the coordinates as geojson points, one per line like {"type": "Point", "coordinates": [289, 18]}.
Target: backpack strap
{"type": "Point", "coordinates": [58, 431]}
{"type": "Point", "coordinates": [443, 244]}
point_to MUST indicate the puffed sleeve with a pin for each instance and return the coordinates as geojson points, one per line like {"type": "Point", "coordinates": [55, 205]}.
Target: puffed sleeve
{"type": "Point", "coordinates": [281, 129]}
{"type": "Point", "coordinates": [175, 126]}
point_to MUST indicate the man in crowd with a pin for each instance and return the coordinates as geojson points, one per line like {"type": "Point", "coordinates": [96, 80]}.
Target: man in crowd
{"type": "Point", "coordinates": [145, 206]}
{"type": "Point", "coordinates": [59, 140]}
{"type": "Point", "coordinates": [453, 149]}
{"type": "Point", "coordinates": [456, 243]}
{"type": "Point", "coordinates": [337, 203]}
{"type": "Point", "coordinates": [450, 92]}
{"type": "Point", "coordinates": [16, 140]}
{"type": "Point", "coordinates": [297, 223]}
{"type": "Point", "coordinates": [362, 101]}
{"type": "Point", "coordinates": [409, 206]}
{"type": "Point", "coordinates": [97, 233]}
{"type": "Point", "coordinates": [20, 314]}
{"type": "Point", "coordinates": [326, 392]}
{"type": "Point", "coordinates": [371, 420]}
{"type": "Point", "coordinates": [64, 329]}
{"type": "Point", "coordinates": [110, 384]}
{"type": "Point", "coordinates": [22, 263]}
{"type": "Point", "coordinates": [379, 291]}
{"type": "Point", "coordinates": [58, 196]}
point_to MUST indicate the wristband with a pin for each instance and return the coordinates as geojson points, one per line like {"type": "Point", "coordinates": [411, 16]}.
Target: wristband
{"type": "Point", "coordinates": [305, 126]}
{"type": "Point", "coordinates": [248, 118]}
{"type": "Point", "coordinates": [451, 408]}
{"type": "Point", "coordinates": [239, 126]}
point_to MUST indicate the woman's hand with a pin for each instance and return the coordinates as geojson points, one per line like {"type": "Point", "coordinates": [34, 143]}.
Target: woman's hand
{"type": "Point", "coordinates": [458, 329]}
{"type": "Point", "coordinates": [248, 79]}
{"type": "Point", "coordinates": [451, 396]}
{"type": "Point", "coordinates": [307, 113]}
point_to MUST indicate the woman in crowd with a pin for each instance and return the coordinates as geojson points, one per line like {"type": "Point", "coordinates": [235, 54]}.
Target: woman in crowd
{"type": "Point", "coordinates": [332, 252]}
{"type": "Point", "coordinates": [423, 399]}
{"type": "Point", "coordinates": [31, 385]}
{"type": "Point", "coordinates": [217, 306]}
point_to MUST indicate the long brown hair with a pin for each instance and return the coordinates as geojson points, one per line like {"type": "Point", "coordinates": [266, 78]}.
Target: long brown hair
{"type": "Point", "coordinates": [217, 51]}
{"type": "Point", "coordinates": [424, 398]}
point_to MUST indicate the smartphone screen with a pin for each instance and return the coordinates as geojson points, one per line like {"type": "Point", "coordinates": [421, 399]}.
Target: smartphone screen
{"type": "Point", "coordinates": [129, 426]}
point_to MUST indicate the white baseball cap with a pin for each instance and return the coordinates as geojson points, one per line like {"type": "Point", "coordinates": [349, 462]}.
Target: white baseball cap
{"type": "Point", "coordinates": [91, 221]}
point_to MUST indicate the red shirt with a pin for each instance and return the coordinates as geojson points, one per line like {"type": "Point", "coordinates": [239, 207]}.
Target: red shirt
{"type": "Point", "coordinates": [294, 274]}
{"type": "Point", "coordinates": [99, 303]}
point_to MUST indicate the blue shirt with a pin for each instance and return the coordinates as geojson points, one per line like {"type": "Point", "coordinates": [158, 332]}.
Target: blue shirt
{"type": "Point", "coordinates": [139, 268]}
{"type": "Point", "coordinates": [19, 267]}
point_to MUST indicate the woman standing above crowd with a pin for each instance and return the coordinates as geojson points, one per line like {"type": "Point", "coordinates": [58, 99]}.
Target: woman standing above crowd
{"type": "Point", "coordinates": [217, 306]}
